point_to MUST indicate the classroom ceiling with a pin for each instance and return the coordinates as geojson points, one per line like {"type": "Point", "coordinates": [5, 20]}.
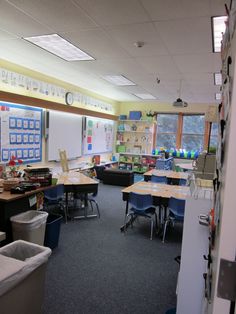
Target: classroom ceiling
{"type": "Point", "coordinates": [176, 36]}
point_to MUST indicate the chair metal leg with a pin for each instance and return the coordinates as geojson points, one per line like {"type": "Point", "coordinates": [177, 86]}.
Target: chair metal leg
{"type": "Point", "coordinates": [164, 232]}
{"type": "Point", "coordinates": [151, 229]}
{"type": "Point", "coordinates": [91, 201]}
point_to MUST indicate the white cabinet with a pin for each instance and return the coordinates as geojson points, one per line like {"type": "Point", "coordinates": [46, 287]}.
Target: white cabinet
{"type": "Point", "coordinates": [190, 289]}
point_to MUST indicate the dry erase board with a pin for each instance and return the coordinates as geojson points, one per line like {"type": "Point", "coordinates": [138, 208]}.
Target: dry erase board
{"type": "Point", "coordinates": [64, 132]}
{"type": "Point", "coordinates": [21, 132]}
{"type": "Point", "coordinates": [98, 135]}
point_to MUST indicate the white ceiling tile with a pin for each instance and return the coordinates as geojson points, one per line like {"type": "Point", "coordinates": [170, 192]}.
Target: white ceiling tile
{"type": "Point", "coordinates": [96, 43]}
{"type": "Point", "coordinates": [169, 9]}
{"type": "Point", "coordinates": [186, 35]}
{"type": "Point", "coordinates": [18, 23]}
{"type": "Point", "coordinates": [6, 35]}
{"type": "Point", "coordinates": [61, 16]}
{"type": "Point", "coordinates": [177, 45]}
{"type": "Point", "coordinates": [158, 65]}
{"type": "Point", "coordinates": [113, 12]}
{"type": "Point", "coordinates": [194, 63]}
{"type": "Point", "coordinates": [128, 35]}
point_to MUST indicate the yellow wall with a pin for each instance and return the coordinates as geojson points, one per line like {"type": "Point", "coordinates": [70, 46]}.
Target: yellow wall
{"type": "Point", "coordinates": [117, 107]}
{"type": "Point", "coordinates": [125, 107]}
{"type": "Point", "coordinates": [50, 80]}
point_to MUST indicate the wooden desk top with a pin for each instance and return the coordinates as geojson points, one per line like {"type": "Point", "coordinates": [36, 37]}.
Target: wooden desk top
{"type": "Point", "coordinates": [6, 196]}
{"type": "Point", "coordinates": [186, 166]}
{"type": "Point", "coordinates": [75, 178]}
{"type": "Point", "coordinates": [167, 173]}
{"type": "Point", "coordinates": [159, 190]}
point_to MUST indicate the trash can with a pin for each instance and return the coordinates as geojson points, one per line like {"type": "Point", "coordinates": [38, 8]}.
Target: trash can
{"type": "Point", "coordinates": [22, 275]}
{"type": "Point", "coordinates": [52, 233]}
{"type": "Point", "coordinates": [29, 226]}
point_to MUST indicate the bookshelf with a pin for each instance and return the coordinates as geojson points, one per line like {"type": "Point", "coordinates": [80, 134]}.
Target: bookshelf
{"type": "Point", "coordinates": [135, 136]}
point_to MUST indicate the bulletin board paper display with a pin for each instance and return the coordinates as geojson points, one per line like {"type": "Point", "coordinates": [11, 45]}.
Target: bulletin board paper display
{"type": "Point", "coordinates": [21, 132]}
{"type": "Point", "coordinates": [98, 136]}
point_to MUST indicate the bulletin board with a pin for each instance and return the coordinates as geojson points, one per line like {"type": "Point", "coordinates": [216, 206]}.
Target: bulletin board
{"type": "Point", "coordinates": [97, 135]}
{"type": "Point", "coordinates": [21, 132]}
{"type": "Point", "coordinates": [64, 133]}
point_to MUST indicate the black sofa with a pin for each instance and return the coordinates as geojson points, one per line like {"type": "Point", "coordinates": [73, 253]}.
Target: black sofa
{"type": "Point", "coordinates": [118, 177]}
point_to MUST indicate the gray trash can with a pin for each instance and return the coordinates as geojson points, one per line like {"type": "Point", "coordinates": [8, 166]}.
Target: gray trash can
{"type": "Point", "coordinates": [22, 275]}
{"type": "Point", "coordinates": [29, 226]}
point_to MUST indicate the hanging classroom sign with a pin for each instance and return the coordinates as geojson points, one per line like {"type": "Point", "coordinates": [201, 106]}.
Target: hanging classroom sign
{"type": "Point", "coordinates": [97, 135]}
{"type": "Point", "coordinates": [21, 132]}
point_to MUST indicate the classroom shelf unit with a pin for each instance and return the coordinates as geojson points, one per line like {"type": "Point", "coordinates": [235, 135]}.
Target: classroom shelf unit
{"type": "Point", "coordinates": [137, 162]}
{"type": "Point", "coordinates": [135, 136]}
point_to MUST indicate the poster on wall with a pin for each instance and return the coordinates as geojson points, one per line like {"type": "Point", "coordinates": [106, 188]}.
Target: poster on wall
{"type": "Point", "coordinates": [97, 135]}
{"type": "Point", "coordinates": [21, 132]}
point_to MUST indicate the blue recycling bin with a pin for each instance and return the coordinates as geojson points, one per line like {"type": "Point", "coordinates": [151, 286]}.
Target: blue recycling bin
{"type": "Point", "coordinates": [52, 232]}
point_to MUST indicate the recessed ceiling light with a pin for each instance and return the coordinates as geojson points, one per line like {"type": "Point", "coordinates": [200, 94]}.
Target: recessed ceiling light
{"type": "Point", "coordinates": [218, 29]}
{"type": "Point", "coordinates": [145, 96]}
{"type": "Point", "coordinates": [118, 80]}
{"type": "Point", "coordinates": [59, 47]}
{"type": "Point", "coordinates": [218, 78]}
{"type": "Point", "coordinates": [218, 96]}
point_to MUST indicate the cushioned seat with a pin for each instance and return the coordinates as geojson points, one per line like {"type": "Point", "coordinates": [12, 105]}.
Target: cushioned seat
{"type": "Point", "coordinates": [118, 177]}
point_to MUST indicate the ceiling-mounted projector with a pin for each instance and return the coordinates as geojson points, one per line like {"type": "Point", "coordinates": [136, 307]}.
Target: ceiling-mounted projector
{"type": "Point", "coordinates": [180, 103]}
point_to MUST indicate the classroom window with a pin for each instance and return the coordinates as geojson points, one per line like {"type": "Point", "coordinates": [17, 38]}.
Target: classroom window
{"type": "Point", "coordinates": [193, 132]}
{"type": "Point", "coordinates": [167, 125]}
{"type": "Point", "coordinates": [213, 138]}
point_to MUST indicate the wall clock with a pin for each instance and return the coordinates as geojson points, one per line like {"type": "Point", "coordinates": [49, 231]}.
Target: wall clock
{"type": "Point", "coordinates": [69, 98]}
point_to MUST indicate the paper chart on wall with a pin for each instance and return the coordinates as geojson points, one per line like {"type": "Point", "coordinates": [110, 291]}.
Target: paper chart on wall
{"type": "Point", "coordinates": [98, 135]}
{"type": "Point", "coordinates": [21, 132]}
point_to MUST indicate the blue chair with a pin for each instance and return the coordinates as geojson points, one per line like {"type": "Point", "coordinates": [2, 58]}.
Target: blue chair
{"type": "Point", "coordinates": [176, 209]}
{"type": "Point", "coordinates": [91, 200]}
{"type": "Point", "coordinates": [158, 179]}
{"type": "Point", "coordinates": [164, 164]}
{"type": "Point", "coordinates": [161, 164]}
{"type": "Point", "coordinates": [182, 182]}
{"type": "Point", "coordinates": [55, 197]}
{"type": "Point", "coordinates": [142, 205]}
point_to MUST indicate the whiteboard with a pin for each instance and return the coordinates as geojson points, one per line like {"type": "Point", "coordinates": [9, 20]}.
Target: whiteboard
{"type": "Point", "coordinates": [64, 133]}
{"type": "Point", "coordinates": [97, 136]}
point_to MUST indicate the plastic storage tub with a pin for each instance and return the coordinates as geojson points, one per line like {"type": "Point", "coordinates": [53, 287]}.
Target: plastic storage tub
{"type": "Point", "coordinates": [52, 232]}
{"type": "Point", "coordinates": [29, 226]}
{"type": "Point", "coordinates": [22, 275]}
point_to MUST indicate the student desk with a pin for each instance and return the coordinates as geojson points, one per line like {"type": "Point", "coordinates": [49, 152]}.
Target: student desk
{"type": "Point", "coordinates": [13, 204]}
{"type": "Point", "coordinates": [77, 182]}
{"type": "Point", "coordinates": [160, 193]}
{"type": "Point", "coordinates": [167, 173]}
{"type": "Point", "coordinates": [185, 166]}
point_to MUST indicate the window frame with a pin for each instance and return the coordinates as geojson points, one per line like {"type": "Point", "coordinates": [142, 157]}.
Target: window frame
{"type": "Point", "coordinates": [167, 133]}
{"type": "Point", "coordinates": [179, 132]}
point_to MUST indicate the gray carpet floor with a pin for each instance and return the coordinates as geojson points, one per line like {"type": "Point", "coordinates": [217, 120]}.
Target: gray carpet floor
{"type": "Point", "coordinates": [98, 269]}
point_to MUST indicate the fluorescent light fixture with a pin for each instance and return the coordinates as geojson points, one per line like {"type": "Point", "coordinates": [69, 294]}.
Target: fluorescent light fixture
{"type": "Point", "coordinates": [218, 29]}
{"type": "Point", "coordinates": [118, 80]}
{"type": "Point", "coordinates": [145, 96]}
{"type": "Point", "coordinates": [59, 47]}
{"type": "Point", "coordinates": [218, 78]}
{"type": "Point", "coordinates": [218, 96]}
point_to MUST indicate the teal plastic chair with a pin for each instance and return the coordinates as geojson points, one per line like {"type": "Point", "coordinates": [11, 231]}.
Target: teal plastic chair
{"type": "Point", "coordinates": [141, 205]}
